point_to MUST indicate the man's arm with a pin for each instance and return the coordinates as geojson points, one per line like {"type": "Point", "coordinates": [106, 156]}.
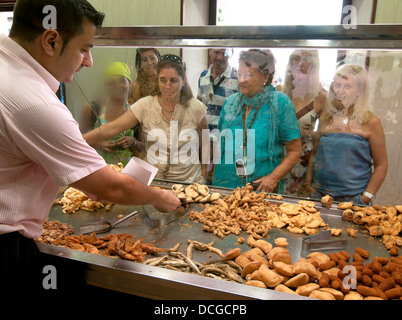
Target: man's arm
{"type": "Point", "coordinates": [107, 184]}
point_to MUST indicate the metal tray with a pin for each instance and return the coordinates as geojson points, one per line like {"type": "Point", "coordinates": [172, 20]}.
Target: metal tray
{"type": "Point", "coordinates": [123, 275]}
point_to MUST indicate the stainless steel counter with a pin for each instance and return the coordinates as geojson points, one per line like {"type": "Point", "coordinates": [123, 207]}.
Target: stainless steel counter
{"type": "Point", "coordinates": [159, 283]}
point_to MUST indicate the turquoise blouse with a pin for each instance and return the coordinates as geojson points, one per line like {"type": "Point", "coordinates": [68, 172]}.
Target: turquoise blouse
{"type": "Point", "coordinates": [274, 124]}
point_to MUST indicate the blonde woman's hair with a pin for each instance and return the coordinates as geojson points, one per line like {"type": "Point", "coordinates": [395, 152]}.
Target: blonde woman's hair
{"type": "Point", "coordinates": [362, 111]}
{"type": "Point", "coordinates": [315, 85]}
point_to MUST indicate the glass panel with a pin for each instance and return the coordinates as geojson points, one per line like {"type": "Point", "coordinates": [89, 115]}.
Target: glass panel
{"type": "Point", "coordinates": [6, 20]}
{"type": "Point", "coordinates": [285, 12]}
{"type": "Point", "coordinates": [358, 107]}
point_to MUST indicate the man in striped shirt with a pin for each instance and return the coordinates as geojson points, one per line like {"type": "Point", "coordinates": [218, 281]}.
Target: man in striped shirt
{"type": "Point", "coordinates": [41, 146]}
{"type": "Point", "coordinates": [217, 83]}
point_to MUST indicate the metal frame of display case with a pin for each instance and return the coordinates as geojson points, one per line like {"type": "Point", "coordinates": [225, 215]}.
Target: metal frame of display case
{"type": "Point", "coordinates": [337, 36]}
{"type": "Point", "coordinates": [155, 282]}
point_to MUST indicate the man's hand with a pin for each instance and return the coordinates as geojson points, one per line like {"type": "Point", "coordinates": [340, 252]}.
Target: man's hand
{"type": "Point", "coordinates": [167, 201]}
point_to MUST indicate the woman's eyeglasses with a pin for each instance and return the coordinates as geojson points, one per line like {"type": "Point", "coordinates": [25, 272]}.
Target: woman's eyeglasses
{"type": "Point", "coordinates": [171, 57]}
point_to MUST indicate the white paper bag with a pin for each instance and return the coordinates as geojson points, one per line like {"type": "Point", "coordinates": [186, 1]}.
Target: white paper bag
{"type": "Point", "coordinates": [141, 170]}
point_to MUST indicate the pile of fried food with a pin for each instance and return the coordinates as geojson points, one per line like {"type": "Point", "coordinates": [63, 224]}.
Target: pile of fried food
{"type": "Point", "coordinates": [321, 276]}
{"type": "Point", "coordinates": [246, 210]}
{"type": "Point", "coordinates": [120, 245]}
{"type": "Point", "coordinates": [53, 230]}
{"type": "Point", "coordinates": [74, 199]}
{"type": "Point", "coordinates": [194, 193]}
{"type": "Point", "coordinates": [385, 221]}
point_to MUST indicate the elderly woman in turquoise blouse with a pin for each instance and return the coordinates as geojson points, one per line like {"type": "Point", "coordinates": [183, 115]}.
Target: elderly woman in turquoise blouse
{"type": "Point", "coordinates": [259, 133]}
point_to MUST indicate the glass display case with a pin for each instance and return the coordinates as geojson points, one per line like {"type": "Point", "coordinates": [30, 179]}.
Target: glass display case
{"type": "Point", "coordinates": [376, 48]}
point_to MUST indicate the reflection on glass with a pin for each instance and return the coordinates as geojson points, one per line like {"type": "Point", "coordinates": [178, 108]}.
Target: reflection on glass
{"type": "Point", "coordinates": [384, 84]}
{"type": "Point", "coordinates": [303, 86]}
{"type": "Point", "coordinates": [349, 161]}
{"type": "Point", "coordinates": [215, 84]}
{"type": "Point", "coordinates": [108, 108]}
{"type": "Point", "coordinates": [265, 122]}
{"type": "Point", "coordinates": [146, 82]}
{"type": "Point", "coordinates": [172, 122]}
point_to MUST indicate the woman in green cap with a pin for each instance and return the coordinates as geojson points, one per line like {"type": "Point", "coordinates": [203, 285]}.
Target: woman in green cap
{"type": "Point", "coordinates": [120, 147]}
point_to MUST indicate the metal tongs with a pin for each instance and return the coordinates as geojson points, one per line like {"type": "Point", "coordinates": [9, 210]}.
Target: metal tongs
{"type": "Point", "coordinates": [103, 226]}
{"type": "Point", "coordinates": [165, 219]}
{"type": "Point", "coordinates": [322, 241]}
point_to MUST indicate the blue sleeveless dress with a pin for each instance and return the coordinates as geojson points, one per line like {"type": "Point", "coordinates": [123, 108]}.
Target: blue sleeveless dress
{"type": "Point", "coordinates": [343, 164]}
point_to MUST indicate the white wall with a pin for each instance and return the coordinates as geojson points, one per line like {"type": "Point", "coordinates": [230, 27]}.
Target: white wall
{"type": "Point", "coordinates": [195, 13]}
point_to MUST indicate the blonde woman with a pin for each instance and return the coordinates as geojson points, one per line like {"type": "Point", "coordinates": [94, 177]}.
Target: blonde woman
{"type": "Point", "coordinates": [303, 86]}
{"type": "Point", "coordinates": [349, 160]}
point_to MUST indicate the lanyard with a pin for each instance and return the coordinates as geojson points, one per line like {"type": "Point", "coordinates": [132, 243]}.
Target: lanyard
{"type": "Point", "coordinates": [215, 86]}
{"type": "Point", "coordinates": [245, 134]}
{"type": "Point", "coordinates": [244, 123]}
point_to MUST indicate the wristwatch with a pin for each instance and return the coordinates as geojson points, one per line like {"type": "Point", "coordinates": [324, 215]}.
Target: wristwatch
{"type": "Point", "coordinates": [368, 195]}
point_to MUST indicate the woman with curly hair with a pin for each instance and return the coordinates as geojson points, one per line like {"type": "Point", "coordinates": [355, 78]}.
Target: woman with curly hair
{"type": "Point", "coordinates": [146, 83]}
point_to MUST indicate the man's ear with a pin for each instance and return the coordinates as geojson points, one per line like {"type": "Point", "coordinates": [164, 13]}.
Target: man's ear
{"type": "Point", "coordinates": [52, 43]}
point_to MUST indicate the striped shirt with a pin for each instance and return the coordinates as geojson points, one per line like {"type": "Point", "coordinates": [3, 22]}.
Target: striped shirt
{"type": "Point", "coordinates": [41, 146]}
{"type": "Point", "coordinates": [214, 100]}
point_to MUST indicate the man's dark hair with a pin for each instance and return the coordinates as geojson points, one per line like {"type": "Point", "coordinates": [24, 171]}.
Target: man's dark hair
{"type": "Point", "coordinates": [28, 18]}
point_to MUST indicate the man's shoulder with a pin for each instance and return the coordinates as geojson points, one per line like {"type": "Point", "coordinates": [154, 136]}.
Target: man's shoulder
{"type": "Point", "coordinates": [230, 72]}
{"type": "Point", "coordinates": [206, 72]}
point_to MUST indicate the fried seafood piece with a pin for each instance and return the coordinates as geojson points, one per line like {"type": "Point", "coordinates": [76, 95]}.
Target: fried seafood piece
{"type": "Point", "coordinates": [321, 295]}
{"type": "Point", "coordinates": [353, 295]}
{"type": "Point", "coordinates": [347, 215]}
{"type": "Point", "coordinates": [150, 248]}
{"type": "Point", "coordinates": [319, 257]}
{"type": "Point", "coordinates": [276, 250]}
{"type": "Point", "coordinates": [290, 209]}
{"type": "Point", "coordinates": [297, 281]}
{"type": "Point", "coordinates": [231, 254]}
{"type": "Point", "coordinates": [306, 289]}
{"type": "Point", "coordinates": [345, 205]}
{"type": "Point", "coordinates": [250, 268]}
{"type": "Point", "coordinates": [335, 232]}
{"type": "Point", "coordinates": [358, 217]}
{"type": "Point", "coordinates": [338, 295]}
{"type": "Point", "coordinates": [352, 232]}
{"type": "Point", "coordinates": [305, 267]}
{"type": "Point", "coordinates": [267, 276]}
{"type": "Point", "coordinates": [281, 242]}
{"type": "Point", "coordinates": [206, 246]}
{"type": "Point", "coordinates": [295, 229]}
{"type": "Point", "coordinates": [283, 268]}
{"type": "Point", "coordinates": [256, 283]}
{"type": "Point", "coordinates": [326, 201]}
{"type": "Point", "coordinates": [282, 288]}
{"type": "Point", "coordinates": [261, 244]}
